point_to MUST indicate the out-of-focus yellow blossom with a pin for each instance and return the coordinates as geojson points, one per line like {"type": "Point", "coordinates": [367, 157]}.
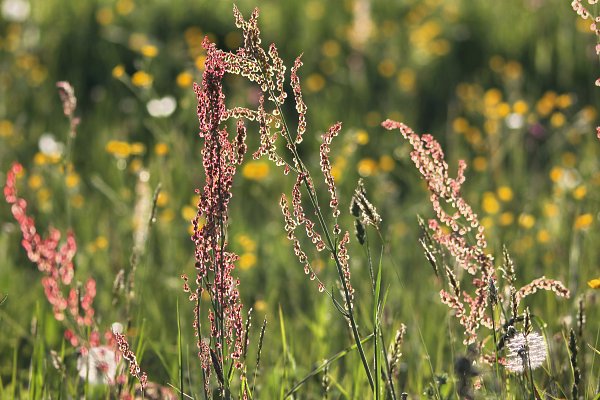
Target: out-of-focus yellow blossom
{"type": "Point", "coordinates": [480, 164]}
{"type": "Point", "coordinates": [205, 295]}
{"type": "Point", "coordinates": [524, 244]}
{"type": "Point", "coordinates": [520, 107]}
{"type": "Point", "coordinates": [492, 97]}
{"type": "Point", "coordinates": [489, 203]}
{"type": "Point", "coordinates": [513, 70]}
{"type": "Point", "coordinates": [6, 128]}
{"type": "Point", "coordinates": [557, 119]}
{"type": "Point", "coordinates": [77, 201]}
{"type": "Point", "coordinates": [43, 159]}
{"type": "Point", "coordinates": [101, 242]}
{"type": "Point", "coordinates": [104, 16]}
{"type": "Point", "coordinates": [256, 170]}
{"type": "Point", "coordinates": [506, 218]}
{"type": "Point", "coordinates": [141, 79]}
{"type": "Point", "coordinates": [491, 126]}
{"type": "Point", "coordinates": [118, 71]}
{"type": "Point", "coordinates": [556, 173]}
{"type": "Point", "coordinates": [233, 40]}
{"type": "Point", "coordinates": [136, 165]}
{"type": "Point", "coordinates": [546, 104]}
{"type": "Point", "coordinates": [367, 167]}
{"type": "Point", "coordinates": [583, 221]}
{"type": "Point", "coordinates": [550, 210]}
{"type": "Point", "coordinates": [330, 48]}
{"type": "Point", "coordinates": [167, 215]}
{"type": "Point", "coordinates": [543, 236]}
{"type": "Point", "coordinates": [125, 7]}
{"type": "Point", "coordinates": [564, 101]}
{"type": "Point", "coordinates": [362, 137]}
{"type": "Point", "coordinates": [35, 181]}
{"type": "Point", "coordinates": [161, 149]}
{"type": "Point", "coordinates": [193, 36]}
{"type": "Point", "coordinates": [580, 192]}
{"type": "Point", "coordinates": [247, 243]}
{"type": "Point", "coordinates": [188, 213]}
{"type": "Point", "coordinates": [386, 68]}
{"type": "Point", "coordinates": [406, 79]}
{"type": "Point", "coordinates": [137, 148]}
{"type": "Point", "coordinates": [199, 62]}
{"type": "Point", "coordinates": [247, 261]}
{"type": "Point", "coordinates": [505, 193]}
{"type": "Point", "coordinates": [118, 148]}
{"type": "Point", "coordinates": [588, 113]}
{"type": "Point", "coordinates": [149, 50]}
{"type": "Point", "coordinates": [460, 125]}
{"type": "Point", "coordinates": [386, 163]}
{"type": "Point", "coordinates": [72, 179]}
{"type": "Point", "coordinates": [487, 223]}
{"type": "Point", "coordinates": [473, 136]}
{"type": "Point", "coordinates": [594, 283]}
{"type": "Point", "coordinates": [163, 199]}
{"type": "Point", "coordinates": [315, 82]}
{"type": "Point", "coordinates": [503, 109]}
{"type": "Point", "coordinates": [43, 196]}
{"type": "Point", "coordinates": [526, 220]}
{"type": "Point", "coordinates": [260, 305]}
{"type": "Point", "coordinates": [184, 80]}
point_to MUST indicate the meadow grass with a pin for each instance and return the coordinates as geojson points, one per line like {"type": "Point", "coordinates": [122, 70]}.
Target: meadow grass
{"type": "Point", "coordinates": [354, 315]}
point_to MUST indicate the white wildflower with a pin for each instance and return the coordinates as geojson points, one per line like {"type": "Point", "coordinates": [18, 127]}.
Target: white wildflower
{"type": "Point", "coordinates": [525, 351]}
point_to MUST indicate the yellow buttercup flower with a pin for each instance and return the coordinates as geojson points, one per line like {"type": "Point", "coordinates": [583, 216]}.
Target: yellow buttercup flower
{"type": "Point", "coordinates": [184, 80]}
{"type": "Point", "coordinates": [256, 170]}
{"type": "Point", "coordinates": [118, 71]}
{"type": "Point", "coordinates": [367, 167]}
{"type": "Point", "coordinates": [118, 148]}
{"type": "Point", "coordinates": [594, 283]}
{"type": "Point", "coordinates": [161, 149]}
{"type": "Point", "coordinates": [141, 79]}
{"type": "Point", "coordinates": [490, 204]}
{"type": "Point", "coordinates": [505, 193]}
{"type": "Point", "coordinates": [149, 51]}
{"type": "Point", "coordinates": [247, 261]}
{"type": "Point", "coordinates": [583, 221]}
{"type": "Point", "coordinates": [526, 220]}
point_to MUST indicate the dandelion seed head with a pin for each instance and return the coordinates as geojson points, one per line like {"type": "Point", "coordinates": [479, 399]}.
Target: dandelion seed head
{"type": "Point", "coordinates": [526, 351]}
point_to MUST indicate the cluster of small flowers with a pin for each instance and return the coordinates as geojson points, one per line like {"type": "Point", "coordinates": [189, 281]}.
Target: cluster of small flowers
{"type": "Point", "coordinates": [134, 368]}
{"type": "Point", "coordinates": [56, 262]}
{"type": "Point", "coordinates": [428, 157]}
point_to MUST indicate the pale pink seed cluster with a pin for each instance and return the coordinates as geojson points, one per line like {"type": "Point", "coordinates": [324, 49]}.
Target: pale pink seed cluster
{"type": "Point", "coordinates": [54, 261]}
{"type": "Point", "coordinates": [343, 258]}
{"type": "Point", "coordinates": [326, 169]}
{"type": "Point", "coordinates": [542, 283]}
{"type": "Point", "coordinates": [134, 368]}
{"type": "Point", "coordinates": [300, 105]}
{"type": "Point", "coordinates": [428, 157]}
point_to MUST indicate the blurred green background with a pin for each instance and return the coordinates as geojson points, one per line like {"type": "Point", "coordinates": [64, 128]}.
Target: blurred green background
{"type": "Point", "coordinates": [508, 86]}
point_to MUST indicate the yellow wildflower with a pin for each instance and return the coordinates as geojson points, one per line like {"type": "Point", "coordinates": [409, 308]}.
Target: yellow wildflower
{"type": "Point", "coordinates": [118, 71]}
{"type": "Point", "coordinates": [149, 51]}
{"type": "Point", "coordinates": [101, 242]}
{"type": "Point", "coordinates": [137, 148]}
{"type": "Point", "coordinates": [35, 181]}
{"type": "Point", "coordinates": [141, 79]}
{"type": "Point", "coordinates": [315, 82]}
{"type": "Point", "coordinates": [386, 163]}
{"type": "Point", "coordinates": [557, 119]}
{"type": "Point", "coordinates": [362, 137]}
{"type": "Point", "coordinates": [104, 16]}
{"type": "Point", "coordinates": [184, 80]}
{"type": "Point", "coordinates": [520, 107]}
{"type": "Point", "coordinates": [480, 164]}
{"type": "Point", "coordinates": [72, 179]}
{"type": "Point", "coordinates": [505, 193]}
{"type": "Point", "coordinates": [526, 220]}
{"type": "Point", "coordinates": [163, 199]}
{"type": "Point", "coordinates": [580, 192]}
{"type": "Point", "coordinates": [543, 236]}
{"type": "Point", "coordinates": [583, 221]}
{"type": "Point", "coordinates": [460, 125]}
{"type": "Point", "coordinates": [247, 261]}
{"type": "Point", "coordinates": [161, 149]}
{"type": "Point", "coordinates": [490, 204]}
{"type": "Point", "coordinates": [506, 218]}
{"type": "Point", "coordinates": [594, 283]}
{"type": "Point", "coordinates": [199, 62]}
{"type": "Point", "coordinates": [386, 68]}
{"type": "Point", "coordinates": [256, 170]}
{"type": "Point", "coordinates": [6, 128]}
{"type": "Point", "coordinates": [367, 167]}
{"type": "Point", "coordinates": [118, 148]}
